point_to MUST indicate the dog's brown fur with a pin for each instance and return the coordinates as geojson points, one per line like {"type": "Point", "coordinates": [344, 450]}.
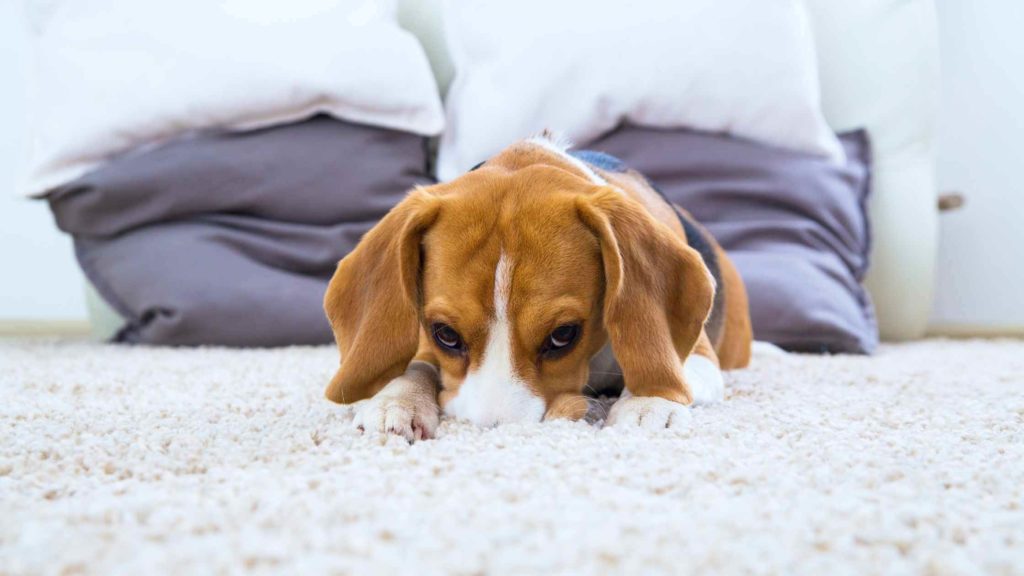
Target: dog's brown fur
{"type": "Point", "coordinates": [612, 257]}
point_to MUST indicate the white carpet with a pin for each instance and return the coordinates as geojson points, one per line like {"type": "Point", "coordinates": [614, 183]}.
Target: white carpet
{"type": "Point", "coordinates": [137, 461]}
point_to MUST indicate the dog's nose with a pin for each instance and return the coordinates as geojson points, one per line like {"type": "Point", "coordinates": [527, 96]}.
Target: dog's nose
{"type": "Point", "coordinates": [487, 417]}
{"type": "Point", "coordinates": [491, 416]}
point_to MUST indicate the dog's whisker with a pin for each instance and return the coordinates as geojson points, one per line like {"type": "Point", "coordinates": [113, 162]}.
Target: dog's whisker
{"type": "Point", "coordinates": [597, 409]}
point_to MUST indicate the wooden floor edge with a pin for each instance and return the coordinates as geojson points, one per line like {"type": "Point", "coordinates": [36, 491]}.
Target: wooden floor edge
{"type": "Point", "coordinates": [973, 331]}
{"type": "Point", "coordinates": [13, 328]}
{"type": "Point", "coordinates": [78, 328]}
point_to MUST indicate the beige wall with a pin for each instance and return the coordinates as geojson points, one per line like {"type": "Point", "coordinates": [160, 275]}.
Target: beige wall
{"type": "Point", "coordinates": [40, 280]}
{"type": "Point", "coordinates": [981, 153]}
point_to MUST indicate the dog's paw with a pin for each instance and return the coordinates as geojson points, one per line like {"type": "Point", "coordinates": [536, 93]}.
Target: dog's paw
{"type": "Point", "coordinates": [400, 408]}
{"type": "Point", "coordinates": [649, 412]}
{"type": "Point", "coordinates": [704, 379]}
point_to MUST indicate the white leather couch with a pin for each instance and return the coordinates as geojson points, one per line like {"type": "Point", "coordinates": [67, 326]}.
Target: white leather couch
{"type": "Point", "coordinates": [879, 69]}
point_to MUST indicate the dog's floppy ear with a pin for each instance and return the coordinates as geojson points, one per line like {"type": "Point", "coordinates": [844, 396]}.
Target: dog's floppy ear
{"type": "Point", "coordinates": [658, 294]}
{"type": "Point", "coordinates": [372, 300]}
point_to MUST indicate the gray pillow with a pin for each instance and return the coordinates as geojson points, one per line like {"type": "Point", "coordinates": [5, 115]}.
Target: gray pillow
{"type": "Point", "coordinates": [231, 238]}
{"type": "Point", "coordinates": [795, 225]}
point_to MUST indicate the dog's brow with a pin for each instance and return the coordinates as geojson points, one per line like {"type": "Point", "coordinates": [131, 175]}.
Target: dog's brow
{"type": "Point", "coordinates": [441, 311]}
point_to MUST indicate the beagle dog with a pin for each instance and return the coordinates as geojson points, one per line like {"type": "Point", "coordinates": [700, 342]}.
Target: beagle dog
{"type": "Point", "coordinates": [507, 293]}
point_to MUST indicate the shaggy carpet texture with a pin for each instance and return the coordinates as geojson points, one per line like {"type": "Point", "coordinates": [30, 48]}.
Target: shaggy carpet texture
{"type": "Point", "coordinates": [117, 460]}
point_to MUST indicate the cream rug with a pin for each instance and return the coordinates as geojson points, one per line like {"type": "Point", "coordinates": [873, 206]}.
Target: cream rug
{"type": "Point", "coordinates": [121, 460]}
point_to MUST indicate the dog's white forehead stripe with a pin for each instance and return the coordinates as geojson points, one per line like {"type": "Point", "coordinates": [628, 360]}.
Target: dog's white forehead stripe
{"type": "Point", "coordinates": [494, 393]}
{"type": "Point", "coordinates": [560, 149]}
{"type": "Point", "coordinates": [502, 287]}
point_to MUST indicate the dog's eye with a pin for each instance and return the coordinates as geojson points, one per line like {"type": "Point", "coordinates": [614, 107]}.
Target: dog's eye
{"type": "Point", "coordinates": [447, 337]}
{"type": "Point", "coordinates": [560, 340]}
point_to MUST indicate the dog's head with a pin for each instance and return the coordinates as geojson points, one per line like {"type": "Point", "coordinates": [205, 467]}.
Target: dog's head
{"type": "Point", "coordinates": [510, 278]}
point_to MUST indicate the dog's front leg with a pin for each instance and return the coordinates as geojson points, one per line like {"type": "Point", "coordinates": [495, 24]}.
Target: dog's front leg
{"type": "Point", "coordinates": [406, 406]}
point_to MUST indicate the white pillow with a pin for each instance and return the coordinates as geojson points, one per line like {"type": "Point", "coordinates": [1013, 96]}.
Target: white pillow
{"type": "Point", "coordinates": [880, 70]}
{"type": "Point", "coordinates": [578, 67]}
{"type": "Point", "coordinates": [112, 76]}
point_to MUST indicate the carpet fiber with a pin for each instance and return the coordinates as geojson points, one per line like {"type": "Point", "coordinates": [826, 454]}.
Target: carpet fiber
{"type": "Point", "coordinates": [138, 461]}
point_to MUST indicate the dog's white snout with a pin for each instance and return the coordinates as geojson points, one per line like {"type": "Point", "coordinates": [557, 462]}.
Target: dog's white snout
{"type": "Point", "coordinates": [488, 403]}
